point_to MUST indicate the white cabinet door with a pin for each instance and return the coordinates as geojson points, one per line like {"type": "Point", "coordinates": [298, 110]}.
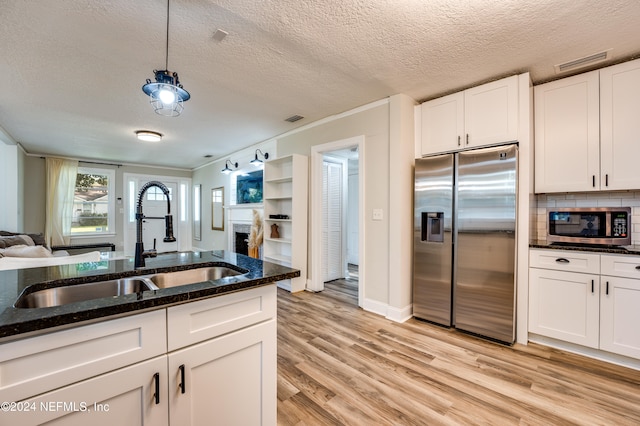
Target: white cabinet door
{"type": "Point", "coordinates": [122, 397]}
{"type": "Point", "coordinates": [620, 126]}
{"type": "Point", "coordinates": [567, 137]}
{"type": "Point", "coordinates": [230, 380]}
{"type": "Point", "coordinates": [442, 124]}
{"type": "Point", "coordinates": [491, 113]}
{"type": "Point", "coordinates": [620, 316]}
{"type": "Point", "coordinates": [564, 305]}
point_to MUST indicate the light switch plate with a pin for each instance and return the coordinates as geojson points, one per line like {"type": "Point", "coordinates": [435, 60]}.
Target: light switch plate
{"type": "Point", "coordinates": [377, 214]}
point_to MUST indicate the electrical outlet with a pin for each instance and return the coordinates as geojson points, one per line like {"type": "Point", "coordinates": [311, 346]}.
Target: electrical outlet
{"type": "Point", "coordinates": [377, 214]}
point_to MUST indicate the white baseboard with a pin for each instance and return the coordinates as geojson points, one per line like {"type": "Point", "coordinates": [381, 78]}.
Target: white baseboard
{"type": "Point", "coordinates": [400, 314]}
{"type": "Point", "coordinates": [375, 307]}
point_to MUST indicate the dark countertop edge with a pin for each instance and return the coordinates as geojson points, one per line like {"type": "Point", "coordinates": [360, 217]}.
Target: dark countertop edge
{"type": "Point", "coordinates": [35, 326]}
{"type": "Point", "coordinates": [584, 248]}
{"type": "Point", "coordinates": [44, 325]}
{"type": "Point", "coordinates": [16, 323]}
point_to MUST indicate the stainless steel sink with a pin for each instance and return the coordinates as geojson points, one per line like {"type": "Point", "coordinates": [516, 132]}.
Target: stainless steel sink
{"type": "Point", "coordinates": [80, 292]}
{"type": "Point", "coordinates": [191, 276]}
{"type": "Point", "coordinates": [65, 294]}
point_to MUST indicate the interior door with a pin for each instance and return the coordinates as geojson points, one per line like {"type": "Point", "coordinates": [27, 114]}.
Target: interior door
{"type": "Point", "coordinates": [332, 216]}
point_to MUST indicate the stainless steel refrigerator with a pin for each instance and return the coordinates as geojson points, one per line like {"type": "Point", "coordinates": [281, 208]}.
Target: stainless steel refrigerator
{"type": "Point", "coordinates": [465, 240]}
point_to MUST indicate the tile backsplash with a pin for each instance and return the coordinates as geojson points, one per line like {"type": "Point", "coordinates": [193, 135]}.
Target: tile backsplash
{"type": "Point", "coordinates": [588, 199]}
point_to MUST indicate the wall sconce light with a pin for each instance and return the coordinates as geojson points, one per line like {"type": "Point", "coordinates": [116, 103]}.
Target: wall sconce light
{"type": "Point", "coordinates": [256, 161]}
{"type": "Point", "coordinates": [226, 169]}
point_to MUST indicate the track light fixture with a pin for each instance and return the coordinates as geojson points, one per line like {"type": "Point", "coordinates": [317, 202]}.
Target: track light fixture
{"type": "Point", "coordinates": [226, 169]}
{"type": "Point", "coordinates": [256, 161]}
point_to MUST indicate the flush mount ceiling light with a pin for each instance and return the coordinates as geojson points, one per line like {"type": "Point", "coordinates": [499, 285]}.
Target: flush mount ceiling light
{"type": "Point", "coordinates": [148, 136]}
{"type": "Point", "coordinates": [256, 161]}
{"type": "Point", "coordinates": [226, 169]}
{"type": "Point", "coordinates": [166, 93]}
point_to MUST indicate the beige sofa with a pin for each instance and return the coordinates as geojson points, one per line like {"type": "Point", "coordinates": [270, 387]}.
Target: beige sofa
{"type": "Point", "coordinates": [19, 251]}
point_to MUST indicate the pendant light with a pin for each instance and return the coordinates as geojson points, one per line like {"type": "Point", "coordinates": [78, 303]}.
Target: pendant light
{"type": "Point", "coordinates": [166, 93]}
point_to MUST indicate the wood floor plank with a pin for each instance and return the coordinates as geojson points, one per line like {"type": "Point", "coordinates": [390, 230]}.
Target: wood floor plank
{"type": "Point", "coordinates": [338, 364]}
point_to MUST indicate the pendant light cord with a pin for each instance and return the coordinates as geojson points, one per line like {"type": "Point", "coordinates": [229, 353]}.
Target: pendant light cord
{"type": "Point", "coordinates": [166, 63]}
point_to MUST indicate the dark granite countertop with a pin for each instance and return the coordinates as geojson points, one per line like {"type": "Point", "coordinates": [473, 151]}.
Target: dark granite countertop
{"type": "Point", "coordinates": [633, 250]}
{"type": "Point", "coordinates": [15, 322]}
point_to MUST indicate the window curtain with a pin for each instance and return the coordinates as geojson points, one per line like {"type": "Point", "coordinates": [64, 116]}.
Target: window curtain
{"type": "Point", "coordinates": [61, 186]}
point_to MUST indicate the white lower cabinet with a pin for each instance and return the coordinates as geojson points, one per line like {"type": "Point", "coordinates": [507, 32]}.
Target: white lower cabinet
{"type": "Point", "coordinates": [620, 305]}
{"type": "Point", "coordinates": [598, 307]}
{"type": "Point", "coordinates": [218, 368]}
{"type": "Point", "coordinates": [226, 381]}
{"type": "Point", "coordinates": [565, 306]}
{"type": "Point", "coordinates": [122, 397]}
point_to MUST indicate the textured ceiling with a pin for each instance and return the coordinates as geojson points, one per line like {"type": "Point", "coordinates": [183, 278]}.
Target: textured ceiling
{"type": "Point", "coordinates": [72, 70]}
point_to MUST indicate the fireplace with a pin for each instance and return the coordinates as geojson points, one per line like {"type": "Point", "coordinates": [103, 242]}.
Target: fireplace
{"type": "Point", "coordinates": [241, 238]}
{"type": "Point", "coordinates": [240, 219]}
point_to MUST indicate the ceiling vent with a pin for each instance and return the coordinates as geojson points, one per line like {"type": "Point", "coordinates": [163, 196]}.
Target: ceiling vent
{"type": "Point", "coordinates": [294, 118]}
{"type": "Point", "coordinates": [583, 62]}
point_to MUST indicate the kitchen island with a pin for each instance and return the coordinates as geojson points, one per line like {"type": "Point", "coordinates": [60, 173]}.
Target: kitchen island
{"type": "Point", "coordinates": [16, 322]}
{"type": "Point", "coordinates": [199, 353]}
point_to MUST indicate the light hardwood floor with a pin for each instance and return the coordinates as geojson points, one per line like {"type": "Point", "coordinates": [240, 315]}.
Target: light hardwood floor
{"type": "Point", "coordinates": [338, 364]}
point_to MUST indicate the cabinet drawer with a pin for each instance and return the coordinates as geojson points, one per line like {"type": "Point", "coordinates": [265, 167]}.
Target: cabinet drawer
{"type": "Point", "coordinates": [561, 260]}
{"type": "Point", "coordinates": [30, 366]}
{"type": "Point", "coordinates": [198, 321]}
{"type": "Point", "coordinates": [620, 266]}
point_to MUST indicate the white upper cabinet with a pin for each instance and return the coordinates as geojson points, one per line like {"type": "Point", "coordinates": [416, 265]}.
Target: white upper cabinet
{"type": "Point", "coordinates": [586, 129]}
{"type": "Point", "coordinates": [620, 126]}
{"type": "Point", "coordinates": [491, 113]}
{"type": "Point", "coordinates": [567, 153]}
{"type": "Point", "coordinates": [482, 115]}
{"type": "Point", "coordinates": [442, 124]}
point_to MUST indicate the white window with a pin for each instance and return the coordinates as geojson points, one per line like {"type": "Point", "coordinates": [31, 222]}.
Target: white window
{"type": "Point", "coordinates": [94, 202]}
{"type": "Point", "coordinates": [156, 194]}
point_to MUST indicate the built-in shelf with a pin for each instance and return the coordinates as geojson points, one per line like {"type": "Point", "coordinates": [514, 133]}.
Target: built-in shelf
{"type": "Point", "coordinates": [279, 240]}
{"type": "Point", "coordinates": [285, 193]}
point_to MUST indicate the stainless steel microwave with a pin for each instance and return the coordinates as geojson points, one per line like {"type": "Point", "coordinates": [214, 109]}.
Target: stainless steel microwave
{"type": "Point", "coordinates": [597, 225]}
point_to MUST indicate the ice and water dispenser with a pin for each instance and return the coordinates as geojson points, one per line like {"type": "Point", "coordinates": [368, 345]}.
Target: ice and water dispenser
{"type": "Point", "coordinates": [432, 227]}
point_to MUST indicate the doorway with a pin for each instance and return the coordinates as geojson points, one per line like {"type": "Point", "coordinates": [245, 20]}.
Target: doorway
{"type": "Point", "coordinates": [337, 226]}
{"type": "Point", "coordinates": [154, 210]}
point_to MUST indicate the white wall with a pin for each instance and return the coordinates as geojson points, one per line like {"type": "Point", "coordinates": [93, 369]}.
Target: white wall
{"type": "Point", "coordinates": [210, 176]}
{"type": "Point", "coordinates": [34, 179]}
{"type": "Point", "coordinates": [11, 188]}
{"type": "Point", "coordinates": [386, 289]}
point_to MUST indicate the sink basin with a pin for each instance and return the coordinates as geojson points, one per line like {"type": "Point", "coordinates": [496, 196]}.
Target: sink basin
{"type": "Point", "coordinates": [190, 276]}
{"type": "Point", "coordinates": [80, 292]}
